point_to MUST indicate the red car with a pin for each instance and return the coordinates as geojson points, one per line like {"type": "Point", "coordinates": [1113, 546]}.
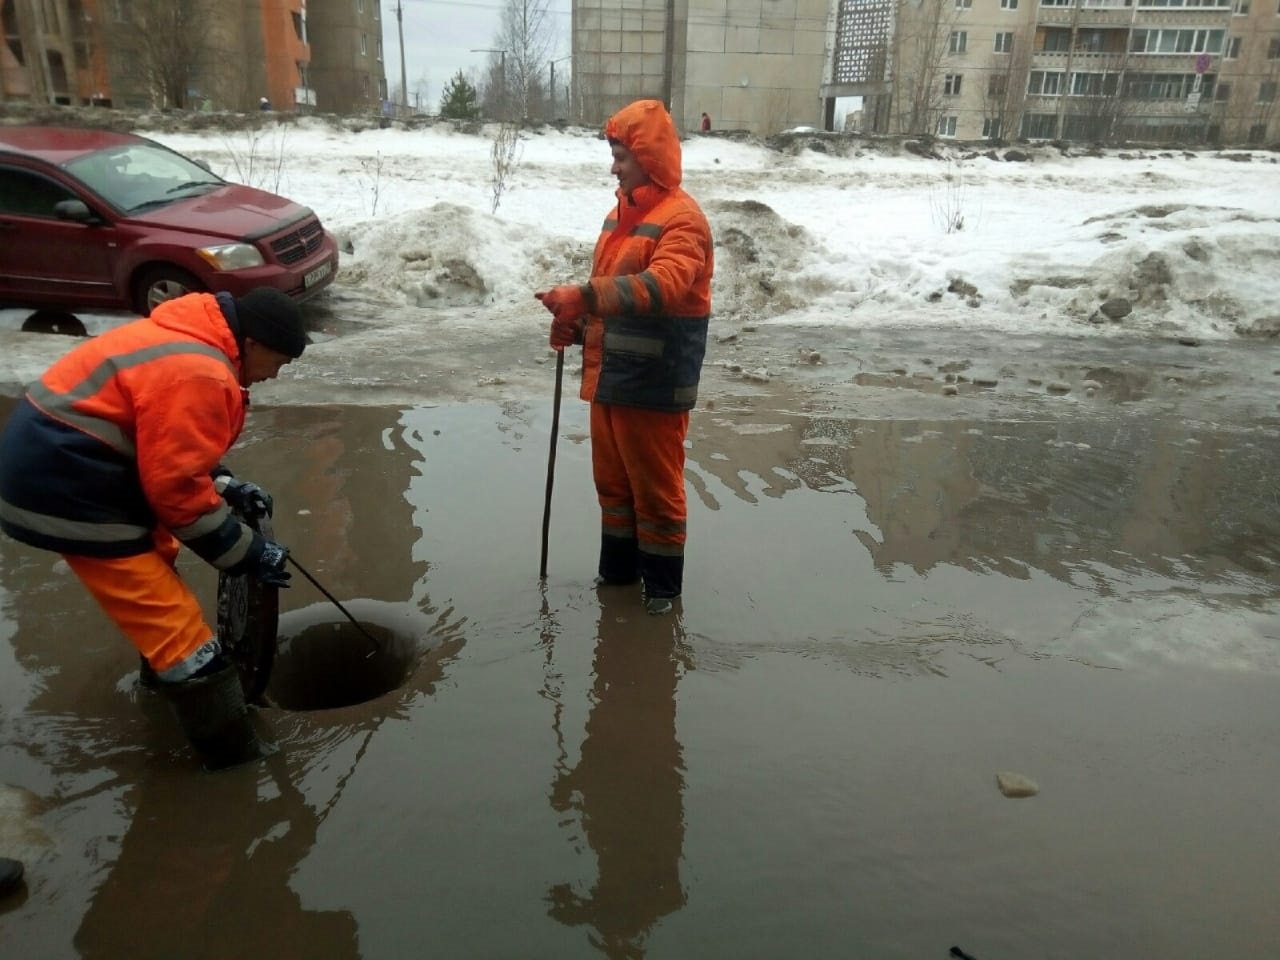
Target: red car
{"type": "Point", "coordinates": [91, 218]}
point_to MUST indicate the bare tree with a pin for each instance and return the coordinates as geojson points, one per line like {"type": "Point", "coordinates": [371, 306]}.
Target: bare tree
{"type": "Point", "coordinates": [1100, 102]}
{"type": "Point", "coordinates": [926, 35]}
{"type": "Point", "coordinates": [162, 44]}
{"type": "Point", "coordinates": [1006, 92]}
{"type": "Point", "coordinates": [526, 38]}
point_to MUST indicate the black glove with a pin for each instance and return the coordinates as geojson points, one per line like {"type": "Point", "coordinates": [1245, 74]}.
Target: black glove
{"type": "Point", "coordinates": [248, 498]}
{"type": "Point", "coordinates": [265, 561]}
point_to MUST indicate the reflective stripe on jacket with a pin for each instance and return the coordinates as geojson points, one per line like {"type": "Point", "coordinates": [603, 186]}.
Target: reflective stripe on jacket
{"type": "Point", "coordinates": [650, 288]}
{"type": "Point", "coordinates": [121, 434]}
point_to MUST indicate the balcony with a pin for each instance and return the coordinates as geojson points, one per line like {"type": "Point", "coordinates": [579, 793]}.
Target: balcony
{"type": "Point", "coordinates": [1084, 16]}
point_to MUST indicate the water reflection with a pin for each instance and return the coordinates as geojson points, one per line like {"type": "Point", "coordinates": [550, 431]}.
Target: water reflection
{"type": "Point", "coordinates": [1012, 497]}
{"type": "Point", "coordinates": [626, 788]}
{"type": "Point", "coordinates": [204, 873]}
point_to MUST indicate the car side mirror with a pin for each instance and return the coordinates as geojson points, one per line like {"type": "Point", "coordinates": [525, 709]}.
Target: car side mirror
{"type": "Point", "coordinates": [76, 210]}
{"type": "Point", "coordinates": [204, 164]}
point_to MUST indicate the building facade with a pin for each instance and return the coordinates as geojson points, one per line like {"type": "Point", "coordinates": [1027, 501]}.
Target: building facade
{"type": "Point", "coordinates": [1190, 71]}
{"type": "Point", "coordinates": [297, 55]}
{"type": "Point", "coordinates": [52, 52]}
{"type": "Point", "coordinates": [348, 69]}
{"type": "Point", "coordinates": [753, 65]}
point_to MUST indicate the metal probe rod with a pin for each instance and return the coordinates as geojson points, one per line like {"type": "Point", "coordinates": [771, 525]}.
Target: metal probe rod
{"type": "Point", "coordinates": [334, 600]}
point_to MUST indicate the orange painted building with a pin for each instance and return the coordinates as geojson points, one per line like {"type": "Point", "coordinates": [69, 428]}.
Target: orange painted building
{"type": "Point", "coordinates": [287, 55]}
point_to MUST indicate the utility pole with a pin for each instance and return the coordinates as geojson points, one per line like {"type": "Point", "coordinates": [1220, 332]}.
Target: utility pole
{"type": "Point", "coordinates": [404, 84]}
{"type": "Point", "coordinates": [552, 90]}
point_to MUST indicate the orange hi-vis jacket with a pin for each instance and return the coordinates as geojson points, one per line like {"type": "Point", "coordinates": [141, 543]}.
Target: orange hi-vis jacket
{"type": "Point", "coordinates": [120, 436]}
{"type": "Point", "coordinates": [650, 290]}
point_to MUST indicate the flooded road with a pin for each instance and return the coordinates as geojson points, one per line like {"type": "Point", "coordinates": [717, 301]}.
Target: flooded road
{"type": "Point", "coordinates": [892, 595]}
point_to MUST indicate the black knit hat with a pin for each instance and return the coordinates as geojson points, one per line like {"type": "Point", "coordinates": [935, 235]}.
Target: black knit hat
{"type": "Point", "coordinates": [272, 319]}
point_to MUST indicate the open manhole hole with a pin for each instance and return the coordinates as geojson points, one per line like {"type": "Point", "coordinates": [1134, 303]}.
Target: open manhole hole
{"type": "Point", "coordinates": [324, 661]}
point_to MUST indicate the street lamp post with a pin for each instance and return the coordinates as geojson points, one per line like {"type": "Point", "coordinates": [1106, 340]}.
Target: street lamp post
{"type": "Point", "coordinates": [502, 79]}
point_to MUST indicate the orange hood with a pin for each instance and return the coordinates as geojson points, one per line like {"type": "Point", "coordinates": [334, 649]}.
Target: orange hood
{"type": "Point", "coordinates": [647, 130]}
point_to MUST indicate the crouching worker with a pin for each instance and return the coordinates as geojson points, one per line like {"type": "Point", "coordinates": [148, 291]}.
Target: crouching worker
{"type": "Point", "coordinates": [112, 460]}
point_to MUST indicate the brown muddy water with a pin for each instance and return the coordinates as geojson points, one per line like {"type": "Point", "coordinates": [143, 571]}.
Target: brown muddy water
{"type": "Point", "coordinates": [891, 597]}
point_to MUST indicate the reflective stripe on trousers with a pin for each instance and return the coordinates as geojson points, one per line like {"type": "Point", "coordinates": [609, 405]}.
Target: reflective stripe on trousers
{"type": "Point", "coordinates": [144, 596]}
{"type": "Point", "coordinates": [637, 460]}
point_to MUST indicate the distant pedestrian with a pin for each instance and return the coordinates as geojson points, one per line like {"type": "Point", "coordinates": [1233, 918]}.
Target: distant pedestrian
{"type": "Point", "coordinates": [264, 104]}
{"type": "Point", "coordinates": [706, 122]}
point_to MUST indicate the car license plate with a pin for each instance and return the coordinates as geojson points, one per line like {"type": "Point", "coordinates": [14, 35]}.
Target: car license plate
{"type": "Point", "coordinates": [312, 277]}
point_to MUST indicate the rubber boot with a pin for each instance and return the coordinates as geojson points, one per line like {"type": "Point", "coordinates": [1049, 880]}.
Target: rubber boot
{"type": "Point", "coordinates": [146, 675]}
{"type": "Point", "coordinates": [619, 561]}
{"type": "Point", "coordinates": [663, 581]}
{"type": "Point", "coordinates": [212, 713]}
{"type": "Point", "coordinates": [10, 875]}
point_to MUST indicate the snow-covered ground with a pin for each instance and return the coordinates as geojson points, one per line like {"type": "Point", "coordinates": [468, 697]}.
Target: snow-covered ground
{"type": "Point", "coordinates": [822, 232]}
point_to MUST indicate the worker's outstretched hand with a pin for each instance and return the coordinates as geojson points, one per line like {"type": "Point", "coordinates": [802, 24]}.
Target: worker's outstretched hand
{"type": "Point", "coordinates": [568, 306]}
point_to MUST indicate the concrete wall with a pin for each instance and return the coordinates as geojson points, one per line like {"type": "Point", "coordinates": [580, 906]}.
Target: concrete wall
{"type": "Point", "coordinates": [754, 65]}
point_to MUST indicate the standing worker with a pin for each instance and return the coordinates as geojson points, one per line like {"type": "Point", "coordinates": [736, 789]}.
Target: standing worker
{"type": "Point", "coordinates": [706, 122]}
{"type": "Point", "coordinates": [112, 460]}
{"type": "Point", "coordinates": [642, 320]}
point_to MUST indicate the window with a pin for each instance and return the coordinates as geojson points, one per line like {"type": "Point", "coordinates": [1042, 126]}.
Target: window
{"type": "Point", "coordinates": [964, 4]}
{"type": "Point", "coordinates": [1040, 126]}
{"type": "Point", "coordinates": [379, 49]}
{"type": "Point", "coordinates": [1177, 41]}
{"type": "Point", "coordinates": [1093, 84]}
{"type": "Point", "coordinates": [1232, 51]}
{"type": "Point", "coordinates": [364, 50]}
{"type": "Point", "coordinates": [1258, 133]}
{"type": "Point", "coordinates": [991, 128]}
{"type": "Point", "coordinates": [1008, 4]}
{"type": "Point", "coordinates": [959, 41]}
{"type": "Point", "coordinates": [29, 194]}
{"type": "Point", "coordinates": [951, 85]}
{"type": "Point", "coordinates": [1167, 86]}
{"type": "Point", "coordinates": [947, 126]}
{"type": "Point", "coordinates": [1057, 41]}
{"type": "Point", "coordinates": [359, 6]}
{"type": "Point", "coordinates": [1044, 83]}
{"type": "Point", "coordinates": [1004, 42]}
{"type": "Point", "coordinates": [1273, 49]}
{"type": "Point", "coordinates": [1267, 91]}
{"type": "Point", "coordinates": [997, 84]}
{"type": "Point", "coordinates": [1223, 92]}
{"type": "Point", "coordinates": [1241, 8]}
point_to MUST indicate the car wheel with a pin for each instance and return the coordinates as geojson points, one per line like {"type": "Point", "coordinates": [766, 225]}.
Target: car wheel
{"type": "Point", "coordinates": [159, 284]}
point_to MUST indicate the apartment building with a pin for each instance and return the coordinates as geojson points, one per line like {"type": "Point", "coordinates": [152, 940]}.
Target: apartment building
{"type": "Point", "coordinates": [52, 52]}
{"type": "Point", "coordinates": [1189, 71]}
{"type": "Point", "coordinates": [348, 70]}
{"type": "Point", "coordinates": [300, 55]}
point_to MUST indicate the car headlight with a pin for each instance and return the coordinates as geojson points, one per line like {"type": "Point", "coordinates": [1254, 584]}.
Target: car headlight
{"type": "Point", "coordinates": [231, 256]}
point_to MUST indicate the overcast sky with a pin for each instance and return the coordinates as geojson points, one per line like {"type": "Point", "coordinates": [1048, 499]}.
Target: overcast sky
{"type": "Point", "coordinates": [440, 34]}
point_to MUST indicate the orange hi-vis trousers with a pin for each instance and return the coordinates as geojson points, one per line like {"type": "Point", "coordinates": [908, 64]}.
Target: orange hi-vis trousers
{"type": "Point", "coordinates": [144, 596]}
{"type": "Point", "coordinates": [637, 460]}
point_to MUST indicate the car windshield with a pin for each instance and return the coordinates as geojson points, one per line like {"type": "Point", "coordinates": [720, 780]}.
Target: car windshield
{"type": "Point", "coordinates": [140, 175]}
